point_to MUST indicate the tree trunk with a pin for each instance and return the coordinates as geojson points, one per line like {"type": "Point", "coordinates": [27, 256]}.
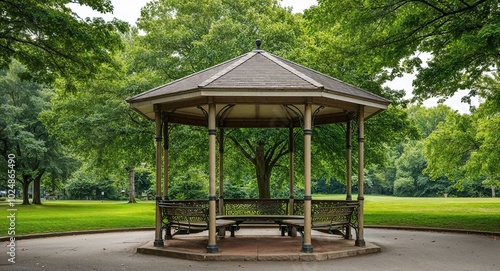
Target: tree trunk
{"type": "Point", "coordinates": [264, 161]}
{"type": "Point", "coordinates": [36, 190]}
{"type": "Point", "coordinates": [262, 172]}
{"type": "Point", "coordinates": [26, 184]}
{"type": "Point", "coordinates": [131, 185]}
{"type": "Point", "coordinates": [493, 192]}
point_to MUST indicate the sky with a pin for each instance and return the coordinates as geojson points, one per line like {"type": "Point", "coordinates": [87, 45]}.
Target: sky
{"type": "Point", "coordinates": [130, 10]}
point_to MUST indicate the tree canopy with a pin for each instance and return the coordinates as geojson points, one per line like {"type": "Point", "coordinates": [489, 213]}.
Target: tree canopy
{"type": "Point", "coordinates": [183, 37]}
{"type": "Point", "coordinates": [37, 153]}
{"type": "Point", "coordinates": [51, 40]}
{"type": "Point", "coordinates": [461, 36]}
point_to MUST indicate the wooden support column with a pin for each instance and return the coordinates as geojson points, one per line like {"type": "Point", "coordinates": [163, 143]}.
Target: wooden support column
{"type": "Point", "coordinates": [165, 158]}
{"type": "Point", "coordinates": [307, 244]}
{"type": "Point", "coordinates": [291, 148]}
{"type": "Point", "coordinates": [349, 161]}
{"type": "Point", "coordinates": [221, 171]}
{"type": "Point", "coordinates": [212, 133]}
{"type": "Point", "coordinates": [158, 238]}
{"type": "Point", "coordinates": [361, 153]}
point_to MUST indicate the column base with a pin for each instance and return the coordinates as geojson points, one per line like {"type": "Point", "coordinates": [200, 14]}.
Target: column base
{"type": "Point", "coordinates": [158, 243]}
{"type": "Point", "coordinates": [360, 243]}
{"type": "Point", "coordinates": [307, 248]}
{"type": "Point", "coordinates": [212, 249]}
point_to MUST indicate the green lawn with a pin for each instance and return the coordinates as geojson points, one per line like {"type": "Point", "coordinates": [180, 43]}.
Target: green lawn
{"type": "Point", "coordinates": [481, 214]}
{"type": "Point", "coordinates": [69, 215]}
{"type": "Point", "coordinates": [453, 213]}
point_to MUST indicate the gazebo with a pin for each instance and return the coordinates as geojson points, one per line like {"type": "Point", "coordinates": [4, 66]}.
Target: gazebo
{"type": "Point", "coordinates": [257, 90]}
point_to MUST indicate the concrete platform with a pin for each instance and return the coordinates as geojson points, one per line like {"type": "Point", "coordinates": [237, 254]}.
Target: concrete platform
{"type": "Point", "coordinates": [258, 244]}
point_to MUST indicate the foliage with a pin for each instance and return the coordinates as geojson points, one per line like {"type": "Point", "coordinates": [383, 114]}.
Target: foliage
{"type": "Point", "coordinates": [324, 186]}
{"type": "Point", "coordinates": [377, 180]}
{"type": "Point", "coordinates": [462, 148]}
{"type": "Point", "coordinates": [143, 181]}
{"type": "Point", "coordinates": [448, 148]}
{"type": "Point", "coordinates": [85, 185]}
{"type": "Point", "coordinates": [51, 40]}
{"type": "Point", "coordinates": [404, 187]}
{"type": "Point", "coordinates": [37, 154]}
{"type": "Point", "coordinates": [191, 185]}
{"type": "Point", "coordinates": [97, 124]}
{"type": "Point", "coordinates": [427, 119]}
{"type": "Point", "coordinates": [462, 37]}
{"type": "Point", "coordinates": [183, 37]}
{"type": "Point", "coordinates": [232, 190]}
{"type": "Point", "coordinates": [407, 163]}
{"type": "Point", "coordinates": [263, 148]}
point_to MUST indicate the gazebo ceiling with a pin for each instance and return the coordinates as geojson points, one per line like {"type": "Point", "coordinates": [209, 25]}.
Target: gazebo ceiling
{"type": "Point", "coordinates": [257, 89]}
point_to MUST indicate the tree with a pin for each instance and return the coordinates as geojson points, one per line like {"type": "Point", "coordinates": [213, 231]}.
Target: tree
{"type": "Point", "coordinates": [462, 37]}
{"type": "Point", "coordinates": [183, 37]}
{"type": "Point", "coordinates": [462, 149]}
{"type": "Point", "coordinates": [86, 184]}
{"type": "Point", "coordinates": [37, 153]}
{"type": "Point", "coordinates": [51, 40]}
{"type": "Point", "coordinates": [97, 124]}
{"type": "Point", "coordinates": [427, 119]}
{"type": "Point", "coordinates": [264, 159]}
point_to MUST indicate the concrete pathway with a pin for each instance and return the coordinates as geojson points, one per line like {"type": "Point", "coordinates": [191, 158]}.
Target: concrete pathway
{"type": "Point", "coordinates": [401, 250]}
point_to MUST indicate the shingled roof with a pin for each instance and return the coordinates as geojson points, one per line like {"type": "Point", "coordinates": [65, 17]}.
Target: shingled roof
{"type": "Point", "coordinates": [257, 87]}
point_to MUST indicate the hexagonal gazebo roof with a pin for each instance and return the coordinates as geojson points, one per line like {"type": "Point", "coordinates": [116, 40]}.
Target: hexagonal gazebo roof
{"type": "Point", "coordinates": [257, 89]}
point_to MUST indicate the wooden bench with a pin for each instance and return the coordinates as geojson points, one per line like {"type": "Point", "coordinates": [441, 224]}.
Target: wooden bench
{"type": "Point", "coordinates": [188, 219]}
{"type": "Point", "coordinates": [257, 211]}
{"type": "Point", "coordinates": [334, 217]}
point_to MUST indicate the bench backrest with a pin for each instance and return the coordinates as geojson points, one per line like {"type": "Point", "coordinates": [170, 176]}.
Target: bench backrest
{"type": "Point", "coordinates": [298, 205]}
{"type": "Point", "coordinates": [331, 214]}
{"type": "Point", "coordinates": [256, 206]}
{"type": "Point", "coordinates": [175, 212]}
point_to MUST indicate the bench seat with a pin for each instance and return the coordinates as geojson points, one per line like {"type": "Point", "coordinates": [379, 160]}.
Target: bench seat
{"type": "Point", "coordinates": [189, 219]}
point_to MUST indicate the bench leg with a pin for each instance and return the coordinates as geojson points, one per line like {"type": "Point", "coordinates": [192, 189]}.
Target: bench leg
{"type": "Point", "coordinates": [348, 234]}
{"type": "Point", "coordinates": [292, 232]}
{"type": "Point", "coordinates": [168, 233]}
{"type": "Point", "coordinates": [301, 231]}
{"type": "Point", "coordinates": [221, 231]}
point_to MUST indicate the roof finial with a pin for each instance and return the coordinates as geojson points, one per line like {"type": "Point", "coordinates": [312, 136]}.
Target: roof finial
{"type": "Point", "coordinates": [258, 42]}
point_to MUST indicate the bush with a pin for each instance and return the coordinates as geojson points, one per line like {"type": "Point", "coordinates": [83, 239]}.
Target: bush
{"type": "Point", "coordinates": [234, 191]}
{"type": "Point", "coordinates": [404, 187]}
{"type": "Point", "coordinates": [85, 186]}
{"type": "Point", "coordinates": [192, 185]}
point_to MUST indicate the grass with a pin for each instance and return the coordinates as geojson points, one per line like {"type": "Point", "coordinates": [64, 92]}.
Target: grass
{"type": "Point", "coordinates": [481, 214]}
{"type": "Point", "coordinates": [62, 215]}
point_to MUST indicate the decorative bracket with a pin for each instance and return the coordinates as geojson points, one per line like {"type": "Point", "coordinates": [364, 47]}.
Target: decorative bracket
{"type": "Point", "coordinates": [223, 113]}
{"type": "Point", "coordinates": [315, 113]}
{"type": "Point", "coordinates": [297, 112]}
{"type": "Point", "coordinates": [204, 113]}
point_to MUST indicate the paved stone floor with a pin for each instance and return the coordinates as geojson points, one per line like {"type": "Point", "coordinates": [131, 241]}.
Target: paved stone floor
{"type": "Point", "coordinates": [258, 244]}
{"type": "Point", "coordinates": [400, 250]}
